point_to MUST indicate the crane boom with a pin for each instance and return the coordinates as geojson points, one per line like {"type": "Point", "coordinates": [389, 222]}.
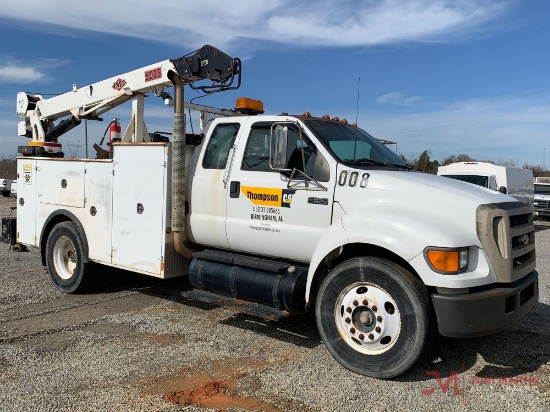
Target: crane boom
{"type": "Point", "coordinates": [91, 101]}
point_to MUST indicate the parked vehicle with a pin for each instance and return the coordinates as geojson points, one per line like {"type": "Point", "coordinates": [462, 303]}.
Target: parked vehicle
{"type": "Point", "coordinates": [5, 186]}
{"type": "Point", "coordinates": [511, 180]}
{"type": "Point", "coordinates": [542, 197]}
{"type": "Point", "coordinates": [288, 212]}
{"type": "Point", "coordinates": [13, 190]}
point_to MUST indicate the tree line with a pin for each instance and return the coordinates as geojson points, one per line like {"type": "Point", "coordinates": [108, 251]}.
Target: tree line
{"type": "Point", "coordinates": [425, 163]}
{"type": "Point", "coordinates": [8, 167]}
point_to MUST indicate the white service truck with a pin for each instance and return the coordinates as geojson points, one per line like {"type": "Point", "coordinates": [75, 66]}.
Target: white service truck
{"type": "Point", "coordinates": [511, 180]}
{"type": "Point", "coordinates": [542, 197]}
{"type": "Point", "coordinates": [5, 186]}
{"type": "Point", "coordinates": [289, 212]}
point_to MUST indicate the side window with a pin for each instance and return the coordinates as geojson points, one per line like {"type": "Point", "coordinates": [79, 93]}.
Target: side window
{"type": "Point", "coordinates": [221, 141]}
{"type": "Point", "coordinates": [256, 153]}
{"type": "Point", "coordinates": [492, 183]}
{"type": "Point", "coordinates": [315, 166]}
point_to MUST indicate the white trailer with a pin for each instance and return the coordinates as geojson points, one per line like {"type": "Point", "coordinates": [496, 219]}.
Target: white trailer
{"type": "Point", "coordinates": [511, 180]}
{"type": "Point", "coordinates": [289, 212]}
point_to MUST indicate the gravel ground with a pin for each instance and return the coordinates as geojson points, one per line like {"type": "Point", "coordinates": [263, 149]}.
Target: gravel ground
{"type": "Point", "coordinates": [137, 345]}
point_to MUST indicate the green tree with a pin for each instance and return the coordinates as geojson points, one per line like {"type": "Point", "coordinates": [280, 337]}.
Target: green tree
{"type": "Point", "coordinates": [459, 158]}
{"type": "Point", "coordinates": [8, 168]}
{"type": "Point", "coordinates": [423, 162]}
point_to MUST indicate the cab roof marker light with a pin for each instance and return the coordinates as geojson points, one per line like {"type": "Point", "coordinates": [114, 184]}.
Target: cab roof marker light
{"type": "Point", "coordinates": [249, 106]}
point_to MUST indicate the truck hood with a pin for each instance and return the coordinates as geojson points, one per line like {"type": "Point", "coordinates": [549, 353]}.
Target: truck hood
{"type": "Point", "coordinates": [444, 204]}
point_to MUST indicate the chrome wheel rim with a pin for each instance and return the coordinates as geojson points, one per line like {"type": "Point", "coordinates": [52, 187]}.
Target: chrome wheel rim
{"type": "Point", "coordinates": [368, 318]}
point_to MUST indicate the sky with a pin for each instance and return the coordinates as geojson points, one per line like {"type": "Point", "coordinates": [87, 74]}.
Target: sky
{"type": "Point", "coordinates": [448, 76]}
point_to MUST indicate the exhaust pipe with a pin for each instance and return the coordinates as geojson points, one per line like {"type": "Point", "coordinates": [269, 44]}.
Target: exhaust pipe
{"type": "Point", "coordinates": [178, 171]}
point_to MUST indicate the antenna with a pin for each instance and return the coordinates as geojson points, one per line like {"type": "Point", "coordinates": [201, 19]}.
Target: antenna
{"type": "Point", "coordinates": [357, 108]}
{"type": "Point", "coordinates": [356, 126]}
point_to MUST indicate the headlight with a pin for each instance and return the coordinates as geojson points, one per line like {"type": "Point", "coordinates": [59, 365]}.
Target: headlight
{"type": "Point", "coordinates": [447, 261]}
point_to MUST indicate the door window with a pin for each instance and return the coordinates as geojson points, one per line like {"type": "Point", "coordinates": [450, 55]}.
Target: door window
{"type": "Point", "coordinates": [221, 141]}
{"type": "Point", "coordinates": [256, 154]}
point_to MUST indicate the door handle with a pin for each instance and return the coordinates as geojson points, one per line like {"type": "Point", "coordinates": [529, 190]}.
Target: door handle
{"type": "Point", "coordinates": [234, 189]}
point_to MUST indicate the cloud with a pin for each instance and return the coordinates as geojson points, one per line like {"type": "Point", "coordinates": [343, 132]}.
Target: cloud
{"type": "Point", "coordinates": [18, 74]}
{"type": "Point", "coordinates": [397, 98]}
{"type": "Point", "coordinates": [16, 71]}
{"type": "Point", "coordinates": [491, 128]}
{"type": "Point", "coordinates": [321, 23]}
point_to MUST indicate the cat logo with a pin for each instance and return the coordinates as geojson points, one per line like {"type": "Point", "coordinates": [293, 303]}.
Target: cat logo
{"type": "Point", "coordinates": [287, 197]}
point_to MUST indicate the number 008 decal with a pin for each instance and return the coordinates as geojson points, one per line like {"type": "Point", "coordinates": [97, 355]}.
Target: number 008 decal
{"type": "Point", "coordinates": [352, 179]}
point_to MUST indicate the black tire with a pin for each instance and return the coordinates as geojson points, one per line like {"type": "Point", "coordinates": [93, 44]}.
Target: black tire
{"type": "Point", "coordinates": [65, 260]}
{"type": "Point", "coordinates": [5, 193]}
{"type": "Point", "coordinates": [374, 317]}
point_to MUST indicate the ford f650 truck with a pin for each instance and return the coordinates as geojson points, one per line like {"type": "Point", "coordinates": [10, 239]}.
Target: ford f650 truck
{"type": "Point", "coordinates": [290, 212]}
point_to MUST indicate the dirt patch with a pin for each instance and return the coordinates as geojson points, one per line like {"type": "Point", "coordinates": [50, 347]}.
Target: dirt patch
{"type": "Point", "coordinates": [221, 388]}
{"type": "Point", "coordinates": [216, 395]}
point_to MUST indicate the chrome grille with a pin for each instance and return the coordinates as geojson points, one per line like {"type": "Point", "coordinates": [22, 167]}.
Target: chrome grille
{"type": "Point", "coordinates": [507, 234]}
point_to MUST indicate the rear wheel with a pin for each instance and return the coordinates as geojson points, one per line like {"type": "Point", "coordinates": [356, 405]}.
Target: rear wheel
{"type": "Point", "coordinates": [373, 316]}
{"type": "Point", "coordinates": [65, 259]}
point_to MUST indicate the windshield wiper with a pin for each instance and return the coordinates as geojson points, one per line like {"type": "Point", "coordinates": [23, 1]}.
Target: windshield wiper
{"type": "Point", "coordinates": [366, 160]}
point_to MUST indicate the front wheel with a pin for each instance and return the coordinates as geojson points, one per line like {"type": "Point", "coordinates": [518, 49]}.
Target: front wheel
{"type": "Point", "coordinates": [65, 259]}
{"type": "Point", "coordinates": [373, 316]}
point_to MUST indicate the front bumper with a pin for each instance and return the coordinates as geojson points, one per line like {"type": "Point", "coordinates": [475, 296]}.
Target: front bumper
{"type": "Point", "coordinates": [542, 212]}
{"type": "Point", "coordinates": [486, 312]}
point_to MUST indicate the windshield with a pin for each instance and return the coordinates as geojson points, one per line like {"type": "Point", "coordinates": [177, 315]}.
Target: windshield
{"type": "Point", "coordinates": [354, 146]}
{"type": "Point", "coordinates": [476, 180]}
{"type": "Point", "coordinates": [542, 189]}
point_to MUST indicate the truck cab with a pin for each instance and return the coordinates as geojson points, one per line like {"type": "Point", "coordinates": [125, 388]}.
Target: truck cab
{"type": "Point", "coordinates": [513, 181]}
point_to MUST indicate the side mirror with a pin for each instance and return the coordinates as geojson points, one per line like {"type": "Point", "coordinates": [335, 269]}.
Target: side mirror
{"type": "Point", "coordinates": [502, 189]}
{"type": "Point", "coordinates": [279, 142]}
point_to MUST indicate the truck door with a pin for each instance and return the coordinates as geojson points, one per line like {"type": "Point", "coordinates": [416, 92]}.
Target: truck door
{"type": "Point", "coordinates": [208, 198]}
{"type": "Point", "coordinates": [139, 193]}
{"type": "Point", "coordinates": [264, 215]}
